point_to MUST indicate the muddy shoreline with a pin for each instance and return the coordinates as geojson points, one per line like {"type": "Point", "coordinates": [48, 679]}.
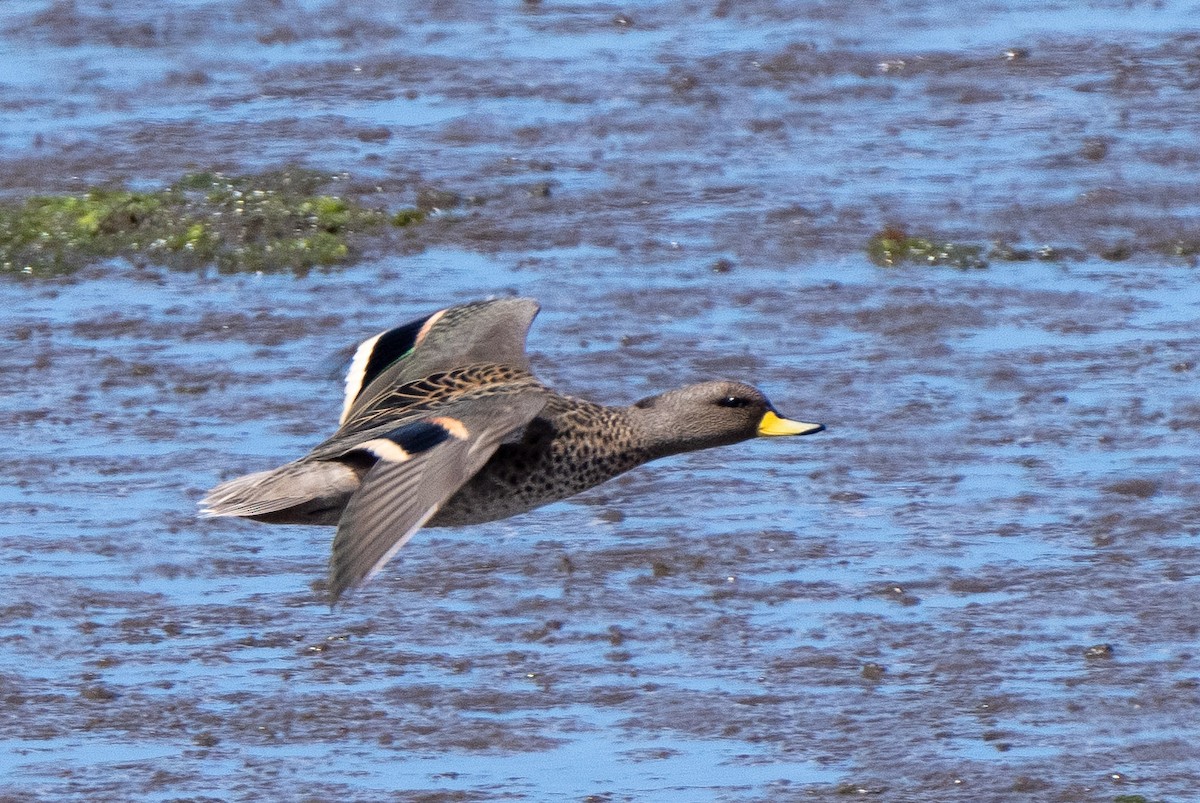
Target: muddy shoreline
{"type": "Point", "coordinates": [979, 584]}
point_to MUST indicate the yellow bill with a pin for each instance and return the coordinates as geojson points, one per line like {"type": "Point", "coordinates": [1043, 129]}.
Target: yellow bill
{"type": "Point", "coordinates": [774, 424]}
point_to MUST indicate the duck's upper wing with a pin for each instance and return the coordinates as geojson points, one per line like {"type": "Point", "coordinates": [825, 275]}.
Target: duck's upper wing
{"type": "Point", "coordinates": [491, 332]}
{"type": "Point", "coordinates": [418, 465]}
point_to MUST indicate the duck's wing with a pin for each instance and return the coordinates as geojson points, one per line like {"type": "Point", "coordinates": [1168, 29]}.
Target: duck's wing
{"type": "Point", "coordinates": [417, 466]}
{"type": "Point", "coordinates": [480, 332]}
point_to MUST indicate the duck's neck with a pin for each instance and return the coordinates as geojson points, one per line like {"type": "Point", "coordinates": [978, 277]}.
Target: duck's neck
{"type": "Point", "coordinates": [660, 432]}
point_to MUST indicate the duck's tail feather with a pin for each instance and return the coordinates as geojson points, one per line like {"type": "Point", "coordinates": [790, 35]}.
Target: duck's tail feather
{"type": "Point", "coordinates": [302, 492]}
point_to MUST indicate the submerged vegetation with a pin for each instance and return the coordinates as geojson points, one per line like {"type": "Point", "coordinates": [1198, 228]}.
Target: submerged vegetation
{"type": "Point", "coordinates": [894, 246]}
{"type": "Point", "coordinates": [294, 220]}
{"type": "Point", "coordinates": [270, 222]}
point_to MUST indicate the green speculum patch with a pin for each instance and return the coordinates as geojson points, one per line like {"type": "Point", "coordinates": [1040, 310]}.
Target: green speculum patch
{"type": "Point", "coordinates": [271, 222]}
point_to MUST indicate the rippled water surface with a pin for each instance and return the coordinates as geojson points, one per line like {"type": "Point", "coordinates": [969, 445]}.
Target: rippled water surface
{"type": "Point", "coordinates": [980, 584]}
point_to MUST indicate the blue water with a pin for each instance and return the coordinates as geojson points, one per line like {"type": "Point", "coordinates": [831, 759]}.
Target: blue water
{"type": "Point", "coordinates": [1006, 479]}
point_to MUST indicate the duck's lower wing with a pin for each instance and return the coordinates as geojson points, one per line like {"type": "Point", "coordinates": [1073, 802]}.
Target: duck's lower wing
{"type": "Point", "coordinates": [418, 466]}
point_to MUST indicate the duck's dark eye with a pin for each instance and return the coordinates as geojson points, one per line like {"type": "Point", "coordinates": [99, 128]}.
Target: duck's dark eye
{"type": "Point", "coordinates": [734, 401]}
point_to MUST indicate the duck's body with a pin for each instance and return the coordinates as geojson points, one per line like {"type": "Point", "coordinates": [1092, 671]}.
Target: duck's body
{"type": "Point", "coordinates": [445, 425]}
{"type": "Point", "coordinates": [569, 446]}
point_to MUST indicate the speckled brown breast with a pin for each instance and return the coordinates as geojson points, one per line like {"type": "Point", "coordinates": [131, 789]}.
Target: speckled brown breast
{"type": "Point", "coordinates": [571, 446]}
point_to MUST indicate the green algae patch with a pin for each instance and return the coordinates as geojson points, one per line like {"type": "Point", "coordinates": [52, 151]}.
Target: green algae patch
{"type": "Point", "coordinates": [893, 247]}
{"type": "Point", "coordinates": [284, 220]}
{"type": "Point", "coordinates": [407, 217]}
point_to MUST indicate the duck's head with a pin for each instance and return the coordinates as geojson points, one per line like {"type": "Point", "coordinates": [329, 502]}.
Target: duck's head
{"type": "Point", "coordinates": [713, 414]}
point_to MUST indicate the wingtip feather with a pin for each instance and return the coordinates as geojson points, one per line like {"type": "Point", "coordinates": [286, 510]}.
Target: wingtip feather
{"type": "Point", "coordinates": [345, 577]}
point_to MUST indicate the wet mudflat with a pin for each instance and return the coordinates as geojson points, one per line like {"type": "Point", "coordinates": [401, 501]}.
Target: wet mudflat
{"type": "Point", "coordinates": [980, 584]}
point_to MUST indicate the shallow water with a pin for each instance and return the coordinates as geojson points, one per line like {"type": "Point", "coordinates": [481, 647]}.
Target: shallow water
{"type": "Point", "coordinates": [901, 607]}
